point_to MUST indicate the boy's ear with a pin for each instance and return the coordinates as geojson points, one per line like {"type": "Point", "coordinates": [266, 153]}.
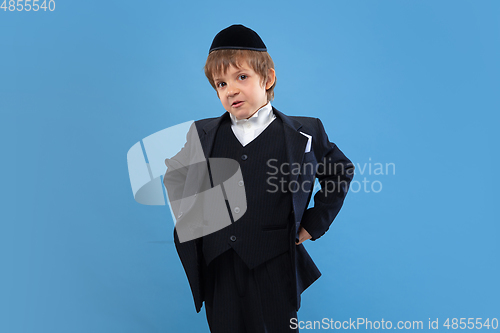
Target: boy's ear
{"type": "Point", "coordinates": [271, 77]}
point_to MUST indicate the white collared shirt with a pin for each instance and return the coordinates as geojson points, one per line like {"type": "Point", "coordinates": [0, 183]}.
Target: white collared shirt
{"type": "Point", "coordinates": [246, 130]}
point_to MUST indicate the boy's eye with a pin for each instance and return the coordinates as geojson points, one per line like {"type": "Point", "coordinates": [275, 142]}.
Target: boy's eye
{"type": "Point", "coordinates": [242, 77]}
{"type": "Point", "coordinates": [221, 84]}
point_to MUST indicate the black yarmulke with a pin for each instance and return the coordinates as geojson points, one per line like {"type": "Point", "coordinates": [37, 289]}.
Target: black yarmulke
{"type": "Point", "coordinates": [237, 36]}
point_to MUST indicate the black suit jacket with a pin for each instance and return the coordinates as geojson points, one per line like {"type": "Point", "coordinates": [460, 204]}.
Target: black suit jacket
{"type": "Point", "coordinates": [330, 166]}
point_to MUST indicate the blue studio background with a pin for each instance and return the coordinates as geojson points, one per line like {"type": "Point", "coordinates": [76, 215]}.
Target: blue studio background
{"type": "Point", "coordinates": [408, 85]}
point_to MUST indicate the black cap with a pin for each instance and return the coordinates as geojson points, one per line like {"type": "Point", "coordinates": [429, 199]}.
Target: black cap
{"type": "Point", "coordinates": [239, 37]}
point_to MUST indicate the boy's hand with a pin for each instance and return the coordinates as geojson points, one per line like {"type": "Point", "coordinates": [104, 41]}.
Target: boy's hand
{"type": "Point", "coordinates": [303, 236]}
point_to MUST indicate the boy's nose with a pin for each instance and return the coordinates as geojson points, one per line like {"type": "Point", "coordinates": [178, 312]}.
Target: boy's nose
{"type": "Point", "coordinates": [232, 90]}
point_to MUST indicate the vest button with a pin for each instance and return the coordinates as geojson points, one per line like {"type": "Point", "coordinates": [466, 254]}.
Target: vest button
{"type": "Point", "coordinates": [244, 157]}
{"type": "Point", "coordinates": [233, 238]}
{"type": "Point", "coordinates": [240, 183]}
{"type": "Point", "coordinates": [236, 210]}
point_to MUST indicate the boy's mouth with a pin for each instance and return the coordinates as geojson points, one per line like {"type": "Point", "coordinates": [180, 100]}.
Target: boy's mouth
{"type": "Point", "coordinates": [237, 104]}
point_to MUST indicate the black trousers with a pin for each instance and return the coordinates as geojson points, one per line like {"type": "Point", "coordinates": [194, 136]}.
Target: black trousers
{"type": "Point", "coordinates": [242, 300]}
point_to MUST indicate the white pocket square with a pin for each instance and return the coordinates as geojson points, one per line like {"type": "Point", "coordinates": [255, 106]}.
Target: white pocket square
{"type": "Point", "coordinates": [309, 141]}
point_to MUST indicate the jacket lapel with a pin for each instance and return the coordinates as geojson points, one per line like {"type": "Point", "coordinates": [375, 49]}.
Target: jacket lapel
{"type": "Point", "coordinates": [294, 141]}
{"type": "Point", "coordinates": [207, 137]}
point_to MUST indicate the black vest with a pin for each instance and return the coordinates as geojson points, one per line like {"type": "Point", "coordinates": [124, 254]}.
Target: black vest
{"type": "Point", "coordinates": [263, 232]}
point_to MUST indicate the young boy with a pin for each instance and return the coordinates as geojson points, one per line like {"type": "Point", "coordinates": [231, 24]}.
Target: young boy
{"type": "Point", "coordinates": [251, 271]}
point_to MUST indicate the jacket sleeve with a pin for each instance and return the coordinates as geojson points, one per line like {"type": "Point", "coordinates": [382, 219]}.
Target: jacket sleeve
{"type": "Point", "coordinates": [175, 176]}
{"type": "Point", "coordinates": [334, 173]}
{"type": "Point", "coordinates": [174, 180]}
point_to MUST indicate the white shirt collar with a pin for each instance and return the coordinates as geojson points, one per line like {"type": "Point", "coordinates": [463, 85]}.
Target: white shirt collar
{"type": "Point", "coordinates": [259, 118]}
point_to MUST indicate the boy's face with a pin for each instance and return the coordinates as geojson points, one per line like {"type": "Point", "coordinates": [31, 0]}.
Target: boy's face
{"type": "Point", "coordinates": [241, 90]}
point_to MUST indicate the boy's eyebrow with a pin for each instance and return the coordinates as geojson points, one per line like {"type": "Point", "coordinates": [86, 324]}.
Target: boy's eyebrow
{"type": "Point", "coordinates": [240, 70]}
